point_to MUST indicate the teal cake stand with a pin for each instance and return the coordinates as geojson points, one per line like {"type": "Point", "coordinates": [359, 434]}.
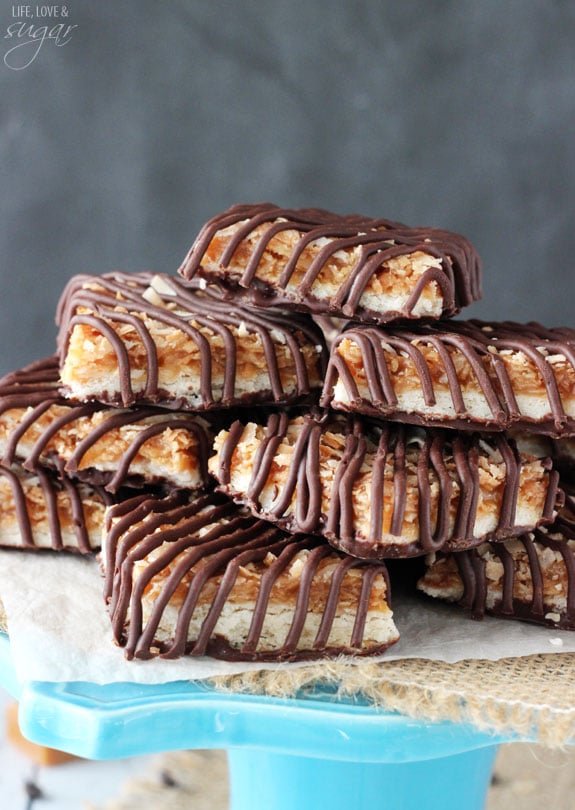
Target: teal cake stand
{"type": "Point", "coordinates": [284, 754]}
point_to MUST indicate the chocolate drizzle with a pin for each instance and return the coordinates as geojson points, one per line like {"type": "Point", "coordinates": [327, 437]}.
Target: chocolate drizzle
{"type": "Point", "coordinates": [443, 458]}
{"type": "Point", "coordinates": [379, 240]}
{"type": "Point", "coordinates": [106, 303]}
{"type": "Point", "coordinates": [35, 389]}
{"type": "Point", "coordinates": [472, 567]}
{"type": "Point", "coordinates": [73, 508]}
{"type": "Point", "coordinates": [215, 538]}
{"type": "Point", "coordinates": [481, 344]}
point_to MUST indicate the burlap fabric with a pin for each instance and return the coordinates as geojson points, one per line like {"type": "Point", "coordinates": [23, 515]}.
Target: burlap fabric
{"type": "Point", "coordinates": [530, 698]}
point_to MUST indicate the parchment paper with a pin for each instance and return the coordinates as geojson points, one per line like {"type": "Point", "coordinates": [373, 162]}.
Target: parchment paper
{"type": "Point", "coordinates": [60, 631]}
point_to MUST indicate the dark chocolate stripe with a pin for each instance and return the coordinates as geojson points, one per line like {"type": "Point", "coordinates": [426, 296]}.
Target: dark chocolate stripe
{"type": "Point", "coordinates": [21, 506]}
{"type": "Point", "coordinates": [537, 599]}
{"type": "Point", "coordinates": [467, 575]}
{"type": "Point", "coordinates": [30, 385]}
{"type": "Point", "coordinates": [445, 459]}
{"type": "Point", "coordinates": [361, 614]}
{"type": "Point", "coordinates": [311, 565]}
{"type": "Point", "coordinates": [35, 389]}
{"type": "Point", "coordinates": [508, 564]}
{"type": "Point", "coordinates": [472, 567]}
{"type": "Point", "coordinates": [214, 548]}
{"type": "Point", "coordinates": [332, 601]}
{"type": "Point", "coordinates": [268, 580]}
{"type": "Point", "coordinates": [480, 343]}
{"type": "Point", "coordinates": [189, 309]}
{"type": "Point", "coordinates": [399, 482]}
{"type": "Point", "coordinates": [213, 534]}
{"type": "Point", "coordinates": [28, 420]}
{"type": "Point", "coordinates": [379, 240]}
{"type": "Point", "coordinates": [50, 487]}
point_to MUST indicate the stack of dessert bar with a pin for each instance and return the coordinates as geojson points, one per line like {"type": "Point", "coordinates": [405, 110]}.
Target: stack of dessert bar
{"type": "Point", "coordinates": [246, 483]}
{"type": "Point", "coordinates": [108, 442]}
{"type": "Point", "coordinates": [436, 437]}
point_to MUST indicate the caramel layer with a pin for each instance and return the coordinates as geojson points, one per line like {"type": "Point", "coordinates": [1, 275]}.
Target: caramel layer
{"type": "Point", "coordinates": [157, 339]}
{"type": "Point", "coordinates": [204, 577]}
{"type": "Point", "coordinates": [465, 374]}
{"type": "Point", "coordinates": [41, 511]}
{"type": "Point", "coordinates": [39, 428]}
{"type": "Point", "coordinates": [350, 266]}
{"type": "Point", "coordinates": [383, 490]}
{"type": "Point", "coordinates": [531, 577]}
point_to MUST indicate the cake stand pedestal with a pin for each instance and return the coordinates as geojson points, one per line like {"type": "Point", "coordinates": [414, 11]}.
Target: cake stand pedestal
{"type": "Point", "coordinates": [284, 754]}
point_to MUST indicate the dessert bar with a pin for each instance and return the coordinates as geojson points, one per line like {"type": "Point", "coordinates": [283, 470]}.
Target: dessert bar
{"type": "Point", "coordinates": [203, 577]}
{"type": "Point", "coordinates": [144, 338]}
{"type": "Point", "coordinates": [354, 266]}
{"type": "Point", "coordinates": [383, 489]}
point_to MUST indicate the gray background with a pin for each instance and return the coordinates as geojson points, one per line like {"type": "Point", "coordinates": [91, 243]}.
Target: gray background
{"type": "Point", "coordinates": [156, 115]}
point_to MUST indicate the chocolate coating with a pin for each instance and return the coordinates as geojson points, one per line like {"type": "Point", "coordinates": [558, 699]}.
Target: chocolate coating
{"type": "Point", "coordinates": [229, 538]}
{"type": "Point", "coordinates": [50, 487]}
{"type": "Point", "coordinates": [436, 449]}
{"type": "Point", "coordinates": [186, 307]}
{"type": "Point", "coordinates": [380, 240]}
{"type": "Point", "coordinates": [36, 388]}
{"type": "Point", "coordinates": [479, 342]}
{"type": "Point", "coordinates": [472, 569]}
